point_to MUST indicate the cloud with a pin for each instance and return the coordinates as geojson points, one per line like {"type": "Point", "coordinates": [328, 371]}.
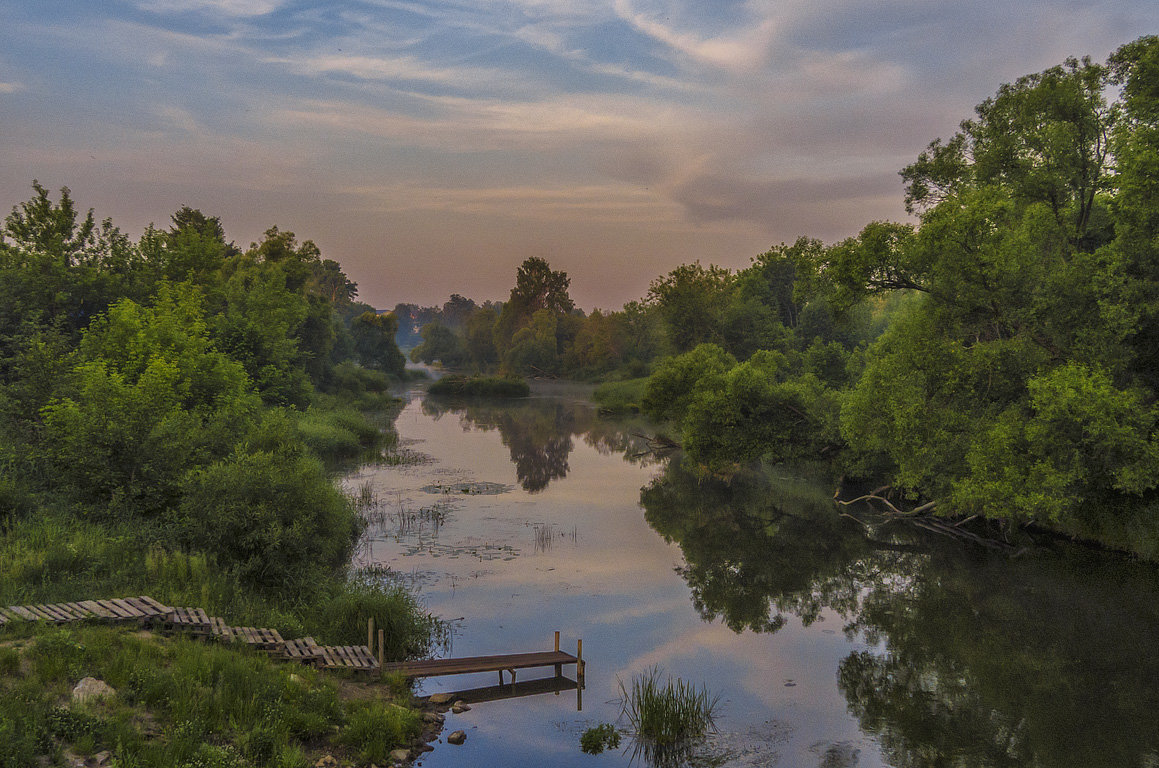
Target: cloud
{"type": "Point", "coordinates": [10, 87]}
{"type": "Point", "coordinates": [746, 49]}
{"type": "Point", "coordinates": [233, 8]}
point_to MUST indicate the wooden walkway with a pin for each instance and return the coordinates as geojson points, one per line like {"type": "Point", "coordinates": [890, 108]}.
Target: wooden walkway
{"type": "Point", "coordinates": [147, 612]}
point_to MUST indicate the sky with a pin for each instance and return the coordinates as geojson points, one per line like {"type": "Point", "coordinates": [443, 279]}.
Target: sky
{"type": "Point", "coordinates": [431, 147]}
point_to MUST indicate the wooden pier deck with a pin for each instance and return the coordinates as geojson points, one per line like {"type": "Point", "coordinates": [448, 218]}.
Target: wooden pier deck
{"type": "Point", "coordinates": [506, 662]}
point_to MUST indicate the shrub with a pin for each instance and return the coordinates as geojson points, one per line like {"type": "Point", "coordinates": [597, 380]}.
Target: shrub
{"type": "Point", "coordinates": [270, 517]}
{"type": "Point", "coordinates": [480, 386]}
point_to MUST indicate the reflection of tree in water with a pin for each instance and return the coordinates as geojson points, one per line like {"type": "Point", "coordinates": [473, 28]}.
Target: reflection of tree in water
{"type": "Point", "coordinates": [538, 432]}
{"type": "Point", "coordinates": [1044, 660]}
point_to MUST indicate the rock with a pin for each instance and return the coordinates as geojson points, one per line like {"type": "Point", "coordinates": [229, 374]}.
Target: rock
{"type": "Point", "coordinates": [460, 706]}
{"type": "Point", "coordinates": [433, 717]}
{"type": "Point", "coordinates": [91, 689]}
{"type": "Point", "coordinates": [326, 762]}
{"type": "Point", "coordinates": [400, 755]}
{"type": "Point", "coordinates": [440, 698]}
{"type": "Point", "coordinates": [100, 758]}
{"type": "Point", "coordinates": [458, 737]}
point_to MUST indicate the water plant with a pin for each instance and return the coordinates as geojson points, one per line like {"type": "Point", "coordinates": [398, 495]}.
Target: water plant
{"type": "Point", "coordinates": [599, 737]}
{"type": "Point", "coordinates": [664, 713]}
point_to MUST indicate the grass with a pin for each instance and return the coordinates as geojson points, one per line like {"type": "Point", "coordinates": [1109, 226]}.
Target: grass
{"type": "Point", "coordinates": [480, 386]}
{"type": "Point", "coordinates": [179, 702]}
{"type": "Point", "coordinates": [620, 397]}
{"type": "Point", "coordinates": [667, 713]}
{"type": "Point", "coordinates": [56, 558]}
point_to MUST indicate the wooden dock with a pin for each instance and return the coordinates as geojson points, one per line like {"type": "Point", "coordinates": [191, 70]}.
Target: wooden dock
{"type": "Point", "coordinates": [508, 662]}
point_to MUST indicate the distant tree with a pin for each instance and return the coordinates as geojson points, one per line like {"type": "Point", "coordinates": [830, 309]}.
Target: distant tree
{"type": "Point", "coordinates": [537, 288]}
{"type": "Point", "coordinates": [374, 341]}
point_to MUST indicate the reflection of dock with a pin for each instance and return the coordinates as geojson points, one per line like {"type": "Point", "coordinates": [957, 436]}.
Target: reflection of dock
{"type": "Point", "coordinates": [554, 685]}
{"type": "Point", "coordinates": [505, 662]}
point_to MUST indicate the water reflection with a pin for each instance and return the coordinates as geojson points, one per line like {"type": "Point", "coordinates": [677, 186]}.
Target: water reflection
{"type": "Point", "coordinates": [540, 433]}
{"type": "Point", "coordinates": [983, 660]}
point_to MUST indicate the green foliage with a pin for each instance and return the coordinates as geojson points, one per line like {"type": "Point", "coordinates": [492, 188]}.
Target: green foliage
{"type": "Point", "coordinates": [598, 738]}
{"type": "Point", "coordinates": [440, 344]}
{"type": "Point", "coordinates": [375, 728]}
{"type": "Point", "coordinates": [253, 710]}
{"type": "Point", "coordinates": [677, 379]}
{"type": "Point", "coordinates": [147, 398]}
{"type": "Point", "coordinates": [271, 516]}
{"type": "Point", "coordinates": [692, 299]}
{"type": "Point", "coordinates": [374, 341]}
{"type": "Point", "coordinates": [479, 386]}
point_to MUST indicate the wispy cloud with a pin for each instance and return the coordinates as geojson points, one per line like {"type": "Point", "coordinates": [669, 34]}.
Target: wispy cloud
{"type": "Point", "coordinates": [236, 8]}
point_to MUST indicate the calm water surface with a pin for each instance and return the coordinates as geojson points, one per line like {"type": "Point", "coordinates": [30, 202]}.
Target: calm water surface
{"type": "Point", "coordinates": [830, 642]}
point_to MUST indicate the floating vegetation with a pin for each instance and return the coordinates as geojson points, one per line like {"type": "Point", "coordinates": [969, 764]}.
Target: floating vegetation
{"type": "Point", "coordinates": [473, 488]}
{"type": "Point", "coordinates": [484, 552]}
{"type": "Point", "coordinates": [600, 737]}
{"type": "Point", "coordinates": [669, 719]}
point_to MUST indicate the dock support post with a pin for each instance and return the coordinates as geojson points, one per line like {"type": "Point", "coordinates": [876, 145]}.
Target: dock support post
{"type": "Point", "coordinates": [370, 634]}
{"type": "Point", "coordinates": [558, 667]}
{"type": "Point", "coordinates": [579, 662]}
{"type": "Point", "coordinates": [381, 645]}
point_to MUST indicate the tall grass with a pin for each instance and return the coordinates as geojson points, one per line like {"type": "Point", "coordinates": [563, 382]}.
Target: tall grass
{"type": "Point", "coordinates": [667, 713]}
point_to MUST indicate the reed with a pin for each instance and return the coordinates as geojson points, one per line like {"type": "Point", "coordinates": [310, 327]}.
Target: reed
{"type": "Point", "coordinates": [668, 712]}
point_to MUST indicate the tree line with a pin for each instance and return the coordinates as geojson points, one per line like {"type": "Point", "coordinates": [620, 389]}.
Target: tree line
{"type": "Point", "coordinates": [998, 355]}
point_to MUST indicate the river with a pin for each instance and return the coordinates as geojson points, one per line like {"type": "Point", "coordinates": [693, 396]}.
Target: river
{"type": "Point", "coordinates": [829, 642]}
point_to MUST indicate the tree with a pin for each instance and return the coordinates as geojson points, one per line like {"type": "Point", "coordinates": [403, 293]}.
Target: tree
{"type": "Point", "coordinates": [374, 341]}
{"type": "Point", "coordinates": [537, 288]}
{"type": "Point", "coordinates": [691, 300]}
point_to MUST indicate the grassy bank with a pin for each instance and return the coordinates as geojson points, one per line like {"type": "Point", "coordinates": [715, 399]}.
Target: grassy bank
{"type": "Point", "coordinates": [179, 702]}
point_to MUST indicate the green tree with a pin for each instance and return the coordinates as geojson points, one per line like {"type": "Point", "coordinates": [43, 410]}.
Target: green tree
{"type": "Point", "coordinates": [537, 288]}
{"type": "Point", "coordinates": [692, 300]}
{"type": "Point", "coordinates": [374, 341]}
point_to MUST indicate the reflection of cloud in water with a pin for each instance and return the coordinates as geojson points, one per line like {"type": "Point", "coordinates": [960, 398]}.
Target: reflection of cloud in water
{"type": "Point", "coordinates": [640, 611]}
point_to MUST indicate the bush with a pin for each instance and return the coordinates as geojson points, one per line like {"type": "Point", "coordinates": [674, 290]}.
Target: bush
{"type": "Point", "coordinates": [480, 386]}
{"type": "Point", "coordinates": [621, 396]}
{"type": "Point", "coordinates": [271, 517]}
{"type": "Point", "coordinates": [408, 631]}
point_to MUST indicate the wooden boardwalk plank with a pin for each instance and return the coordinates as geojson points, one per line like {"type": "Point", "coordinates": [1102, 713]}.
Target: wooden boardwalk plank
{"type": "Point", "coordinates": [159, 608]}
{"type": "Point", "coordinates": [96, 609]}
{"type": "Point", "coordinates": [22, 612]}
{"type": "Point", "coordinates": [117, 611]}
{"type": "Point", "coordinates": [49, 612]}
